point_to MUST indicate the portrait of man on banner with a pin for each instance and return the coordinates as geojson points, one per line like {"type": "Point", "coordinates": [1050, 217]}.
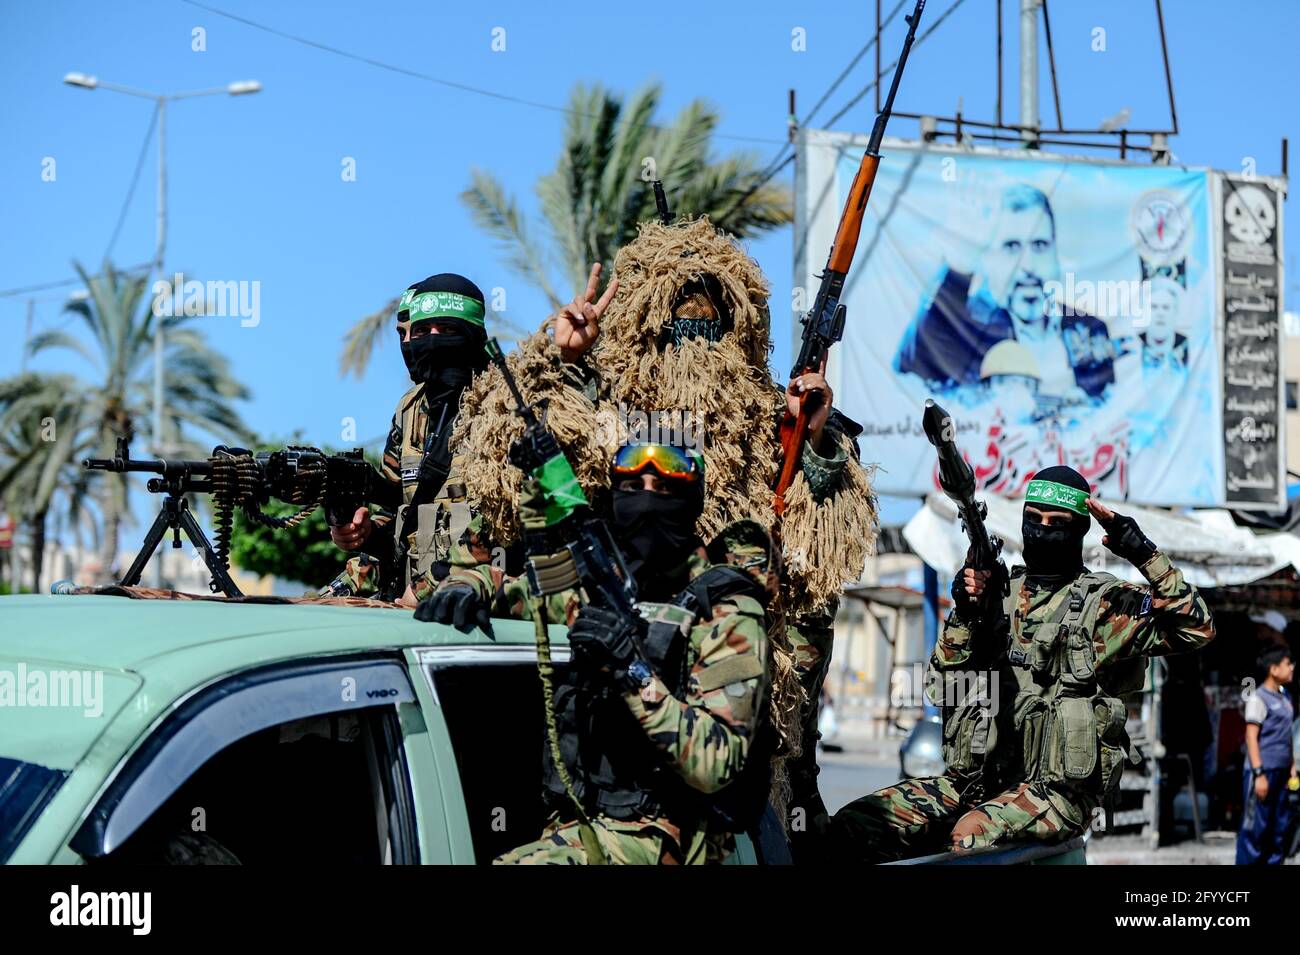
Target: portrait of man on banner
{"type": "Point", "coordinates": [1011, 299]}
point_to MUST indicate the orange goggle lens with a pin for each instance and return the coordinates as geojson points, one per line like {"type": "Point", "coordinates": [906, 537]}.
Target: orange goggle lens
{"type": "Point", "coordinates": [668, 460]}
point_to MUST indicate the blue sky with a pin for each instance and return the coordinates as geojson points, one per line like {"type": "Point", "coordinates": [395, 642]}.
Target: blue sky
{"type": "Point", "coordinates": [255, 186]}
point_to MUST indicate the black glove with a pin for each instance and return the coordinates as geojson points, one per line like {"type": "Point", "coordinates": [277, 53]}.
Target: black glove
{"type": "Point", "coordinates": [533, 449]}
{"type": "Point", "coordinates": [457, 605]}
{"type": "Point", "coordinates": [605, 639]}
{"type": "Point", "coordinates": [1125, 539]}
{"type": "Point", "coordinates": [969, 608]}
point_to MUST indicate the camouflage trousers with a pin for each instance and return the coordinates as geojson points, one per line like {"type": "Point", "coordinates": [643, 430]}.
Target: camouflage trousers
{"type": "Point", "coordinates": [637, 842]}
{"type": "Point", "coordinates": [923, 816]}
{"type": "Point", "coordinates": [360, 578]}
{"type": "Point", "coordinates": [811, 646]}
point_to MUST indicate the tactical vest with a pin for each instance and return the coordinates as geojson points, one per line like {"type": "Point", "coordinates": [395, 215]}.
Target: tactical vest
{"type": "Point", "coordinates": [616, 770]}
{"type": "Point", "coordinates": [445, 513]}
{"type": "Point", "coordinates": [1062, 724]}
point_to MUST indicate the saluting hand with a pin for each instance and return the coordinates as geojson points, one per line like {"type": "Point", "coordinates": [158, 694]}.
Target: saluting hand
{"type": "Point", "coordinates": [1123, 537]}
{"type": "Point", "coordinates": [578, 323]}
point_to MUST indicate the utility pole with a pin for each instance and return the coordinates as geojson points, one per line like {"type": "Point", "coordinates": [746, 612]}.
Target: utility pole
{"type": "Point", "coordinates": [239, 88]}
{"type": "Point", "coordinates": [1029, 72]}
{"type": "Point", "coordinates": [159, 448]}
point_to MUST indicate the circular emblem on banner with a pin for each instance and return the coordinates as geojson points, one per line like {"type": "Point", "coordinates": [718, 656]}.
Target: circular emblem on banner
{"type": "Point", "coordinates": [1248, 213]}
{"type": "Point", "coordinates": [1160, 226]}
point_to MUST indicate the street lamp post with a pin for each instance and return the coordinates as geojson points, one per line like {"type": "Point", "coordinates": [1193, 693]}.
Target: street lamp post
{"type": "Point", "coordinates": [238, 88]}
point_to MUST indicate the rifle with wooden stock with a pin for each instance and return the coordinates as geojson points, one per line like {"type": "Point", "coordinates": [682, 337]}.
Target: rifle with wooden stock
{"type": "Point", "coordinates": [823, 325]}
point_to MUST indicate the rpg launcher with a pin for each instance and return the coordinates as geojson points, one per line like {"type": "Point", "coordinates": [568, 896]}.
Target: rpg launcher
{"type": "Point", "coordinates": [823, 326]}
{"type": "Point", "coordinates": [957, 480]}
{"type": "Point", "coordinates": [235, 477]}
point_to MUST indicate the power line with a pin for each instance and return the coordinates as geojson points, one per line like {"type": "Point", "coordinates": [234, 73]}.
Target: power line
{"type": "Point", "coordinates": [781, 160]}
{"type": "Point", "coordinates": [135, 179]}
{"type": "Point", "coordinates": [774, 167]}
{"type": "Point", "coordinates": [415, 74]}
{"type": "Point", "coordinates": [872, 85]}
{"type": "Point", "coordinates": [852, 63]}
{"type": "Point", "coordinates": [64, 283]}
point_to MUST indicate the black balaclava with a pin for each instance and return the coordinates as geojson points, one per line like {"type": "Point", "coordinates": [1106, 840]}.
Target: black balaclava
{"type": "Point", "coordinates": [445, 362]}
{"type": "Point", "coordinates": [1054, 555]}
{"type": "Point", "coordinates": [657, 533]}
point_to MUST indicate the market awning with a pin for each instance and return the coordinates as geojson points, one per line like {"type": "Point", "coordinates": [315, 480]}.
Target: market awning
{"type": "Point", "coordinates": [1206, 545]}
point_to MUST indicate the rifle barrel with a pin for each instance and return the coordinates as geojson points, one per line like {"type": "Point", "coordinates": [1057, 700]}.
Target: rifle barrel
{"type": "Point", "coordinates": [878, 131]}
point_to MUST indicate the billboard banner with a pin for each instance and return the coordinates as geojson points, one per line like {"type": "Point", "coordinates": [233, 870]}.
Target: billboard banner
{"type": "Point", "coordinates": [1250, 228]}
{"type": "Point", "coordinates": [1062, 310]}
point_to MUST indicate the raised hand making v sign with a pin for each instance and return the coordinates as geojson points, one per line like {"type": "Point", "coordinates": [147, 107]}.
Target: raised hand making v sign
{"type": "Point", "coordinates": [578, 323]}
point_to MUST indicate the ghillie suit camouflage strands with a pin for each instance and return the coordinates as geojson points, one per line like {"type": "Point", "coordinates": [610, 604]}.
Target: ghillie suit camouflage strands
{"type": "Point", "coordinates": [488, 425]}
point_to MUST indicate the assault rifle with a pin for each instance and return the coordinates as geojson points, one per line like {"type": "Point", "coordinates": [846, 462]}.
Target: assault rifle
{"type": "Point", "coordinates": [574, 548]}
{"type": "Point", "coordinates": [236, 477]}
{"type": "Point", "coordinates": [823, 325]}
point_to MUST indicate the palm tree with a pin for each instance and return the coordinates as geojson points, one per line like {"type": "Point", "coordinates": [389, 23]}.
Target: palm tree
{"type": "Point", "coordinates": [599, 192]}
{"type": "Point", "coordinates": [115, 335]}
{"type": "Point", "coordinates": [42, 440]}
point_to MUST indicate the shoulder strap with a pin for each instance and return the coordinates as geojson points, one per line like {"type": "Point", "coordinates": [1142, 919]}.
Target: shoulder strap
{"type": "Point", "coordinates": [717, 584]}
{"type": "Point", "coordinates": [1012, 599]}
{"type": "Point", "coordinates": [1080, 616]}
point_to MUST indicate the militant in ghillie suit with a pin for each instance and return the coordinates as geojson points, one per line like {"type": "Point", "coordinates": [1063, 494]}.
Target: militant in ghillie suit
{"type": "Point", "coordinates": [1037, 741]}
{"type": "Point", "coordinates": [686, 340]}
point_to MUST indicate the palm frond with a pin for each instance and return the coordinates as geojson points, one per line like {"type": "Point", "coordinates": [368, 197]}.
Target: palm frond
{"type": "Point", "coordinates": [497, 214]}
{"type": "Point", "coordinates": [359, 341]}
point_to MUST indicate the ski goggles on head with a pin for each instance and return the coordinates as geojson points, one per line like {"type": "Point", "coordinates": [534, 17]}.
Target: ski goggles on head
{"type": "Point", "coordinates": [668, 460]}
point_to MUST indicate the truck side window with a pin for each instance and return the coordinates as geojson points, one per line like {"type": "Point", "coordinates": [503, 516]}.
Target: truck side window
{"type": "Point", "coordinates": [316, 790]}
{"type": "Point", "coordinates": [494, 715]}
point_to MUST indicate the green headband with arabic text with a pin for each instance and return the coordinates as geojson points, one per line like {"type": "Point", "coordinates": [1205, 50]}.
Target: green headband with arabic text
{"type": "Point", "coordinates": [1051, 494]}
{"type": "Point", "coordinates": [427, 305]}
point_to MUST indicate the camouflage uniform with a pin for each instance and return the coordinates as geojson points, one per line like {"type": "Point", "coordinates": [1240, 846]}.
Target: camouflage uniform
{"type": "Point", "coordinates": [443, 523]}
{"type": "Point", "coordinates": [810, 635]}
{"type": "Point", "coordinates": [705, 734]}
{"type": "Point", "coordinates": [1039, 767]}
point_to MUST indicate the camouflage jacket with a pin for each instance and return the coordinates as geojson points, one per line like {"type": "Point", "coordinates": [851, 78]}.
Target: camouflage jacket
{"type": "Point", "coordinates": [1169, 616]}
{"type": "Point", "coordinates": [704, 728]}
{"type": "Point", "coordinates": [1048, 684]}
{"type": "Point", "coordinates": [443, 523]}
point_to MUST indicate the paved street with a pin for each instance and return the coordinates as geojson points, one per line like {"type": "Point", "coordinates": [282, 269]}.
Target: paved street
{"type": "Point", "coordinates": [864, 766]}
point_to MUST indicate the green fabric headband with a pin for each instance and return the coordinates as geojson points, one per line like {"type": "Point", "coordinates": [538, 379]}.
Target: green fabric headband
{"type": "Point", "coordinates": [1057, 495]}
{"type": "Point", "coordinates": [426, 305]}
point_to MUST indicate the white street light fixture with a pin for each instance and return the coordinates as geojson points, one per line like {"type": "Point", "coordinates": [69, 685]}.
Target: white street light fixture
{"type": "Point", "coordinates": [82, 80]}
{"type": "Point", "coordinates": [244, 87]}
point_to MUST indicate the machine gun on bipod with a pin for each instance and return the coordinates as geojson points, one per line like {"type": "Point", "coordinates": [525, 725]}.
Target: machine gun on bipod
{"type": "Point", "coordinates": [238, 478]}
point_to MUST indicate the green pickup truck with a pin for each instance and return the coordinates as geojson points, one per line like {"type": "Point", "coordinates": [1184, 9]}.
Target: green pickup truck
{"type": "Point", "coordinates": [238, 731]}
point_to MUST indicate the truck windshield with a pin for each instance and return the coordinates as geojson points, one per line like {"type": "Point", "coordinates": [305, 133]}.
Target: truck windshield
{"type": "Point", "coordinates": [25, 789]}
